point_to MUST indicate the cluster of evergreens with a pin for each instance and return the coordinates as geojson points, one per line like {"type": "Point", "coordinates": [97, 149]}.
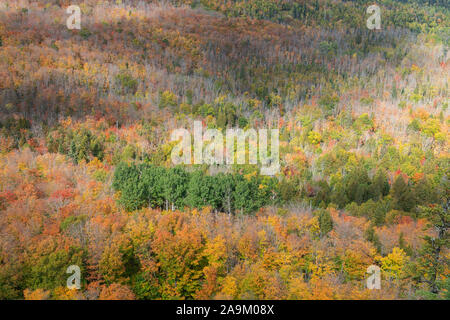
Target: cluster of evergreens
{"type": "Point", "coordinates": [78, 145]}
{"type": "Point", "coordinates": [375, 198]}
{"type": "Point", "coordinates": [146, 185]}
{"type": "Point", "coordinates": [17, 129]}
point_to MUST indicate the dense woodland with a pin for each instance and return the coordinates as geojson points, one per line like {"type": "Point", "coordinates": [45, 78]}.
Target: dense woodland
{"type": "Point", "coordinates": [86, 176]}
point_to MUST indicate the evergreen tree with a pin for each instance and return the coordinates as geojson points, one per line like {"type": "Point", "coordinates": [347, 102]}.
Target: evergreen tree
{"type": "Point", "coordinates": [432, 262]}
{"type": "Point", "coordinates": [323, 195]}
{"type": "Point", "coordinates": [402, 195]}
{"type": "Point", "coordinates": [356, 185]}
{"type": "Point", "coordinates": [339, 196]}
{"type": "Point", "coordinates": [245, 194]}
{"type": "Point", "coordinates": [380, 186]}
{"type": "Point", "coordinates": [371, 236]}
{"type": "Point", "coordinates": [227, 184]}
{"type": "Point", "coordinates": [152, 181]}
{"type": "Point", "coordinates": [175, 183]}
{"type": "Point", "coordinates": [424, 192]}
{"type": "Point", "coordinates": [195, 197]}
{"type": "Point", "coordinates": [325, 222]}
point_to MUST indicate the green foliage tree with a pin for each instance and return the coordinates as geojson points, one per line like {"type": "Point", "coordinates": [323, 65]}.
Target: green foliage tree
{"type": "Point", "coordinates": [325, 221]}
{"type": "Point", "coordinates": [402, 195]}
{"type": "Point", "coordinates": [49, 270]}
{"type": "Point", "coordinates": [432, 262]}
{"type": "Point", "coordinates": [323, 194]}
{"type": "Point", "coordinates": [380, 186]}
{"type": "Point", "coordinates": [372, 237]}
{"type": "Point", "coordinates": [339, 195]}
{"type": "Point", "coordinates": [174, 184]}
{"type": "Point", "coordinates": [357, 185]}
{"type": "Point", "coordinates": [245, 191]}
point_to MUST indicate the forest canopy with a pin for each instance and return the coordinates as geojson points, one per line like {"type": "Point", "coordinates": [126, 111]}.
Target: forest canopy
{"type": "Point", "coordinates": [86, 176]}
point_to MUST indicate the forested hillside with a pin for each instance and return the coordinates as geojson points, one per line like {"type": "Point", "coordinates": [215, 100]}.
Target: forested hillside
{"type": "Point", "coordinates": [86, 176]}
